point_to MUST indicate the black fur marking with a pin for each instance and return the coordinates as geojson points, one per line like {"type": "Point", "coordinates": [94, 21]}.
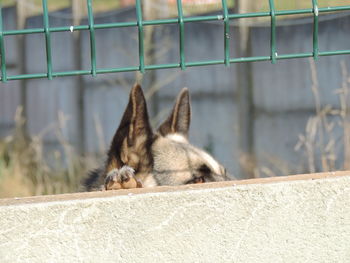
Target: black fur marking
{"type": "Point", "coordinates": [135, 119]}
{"type": "Point", "coordinates": [91, 181]}
{"type": "Point", "coordinates": [140, 125]}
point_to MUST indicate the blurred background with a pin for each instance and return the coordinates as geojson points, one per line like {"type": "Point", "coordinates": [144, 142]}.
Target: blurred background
{"type": "Point", "coordinates": [258, 119]}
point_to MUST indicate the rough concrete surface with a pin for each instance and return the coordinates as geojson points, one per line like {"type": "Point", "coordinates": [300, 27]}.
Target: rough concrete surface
{"type": "Point", "coordinates": [287, 221]}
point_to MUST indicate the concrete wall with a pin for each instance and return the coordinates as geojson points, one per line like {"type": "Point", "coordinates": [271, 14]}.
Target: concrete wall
{"type": "Point", "coordinates": [302, 218]}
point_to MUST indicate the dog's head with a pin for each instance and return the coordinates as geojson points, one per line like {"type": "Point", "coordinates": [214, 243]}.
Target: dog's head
{"type": "Point", "coordinates": [164, 157]}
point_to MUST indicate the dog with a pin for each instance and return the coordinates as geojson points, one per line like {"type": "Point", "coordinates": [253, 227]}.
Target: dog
{"type": "Point", "coordinates": [139, 157]}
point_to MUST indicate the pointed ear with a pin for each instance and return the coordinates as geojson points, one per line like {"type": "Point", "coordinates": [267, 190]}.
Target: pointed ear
{"type": "Point", "coordinates": [132, 140]}
{"type": "Point", "coordinates": [180, 117]}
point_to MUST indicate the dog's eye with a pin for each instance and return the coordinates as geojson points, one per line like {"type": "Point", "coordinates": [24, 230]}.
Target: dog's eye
{"type": "Point", "coordinates": [201, 175]}
{"type": "Point", "coordinates": [197, 180]}
{"type": "Point", "coordinates": [204, 169]}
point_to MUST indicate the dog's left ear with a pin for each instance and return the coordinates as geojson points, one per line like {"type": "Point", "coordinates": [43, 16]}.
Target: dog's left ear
{"type": "Point", "coordinates": [131, 142]}
{"type": "Point", "coordinates": [180, 117]}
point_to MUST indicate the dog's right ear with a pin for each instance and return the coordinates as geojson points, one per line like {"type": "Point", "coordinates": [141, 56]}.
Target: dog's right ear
{"type": "Point", "coordinates": [132, 140]}
{"type": "Point", "coordinates": [180, 117]}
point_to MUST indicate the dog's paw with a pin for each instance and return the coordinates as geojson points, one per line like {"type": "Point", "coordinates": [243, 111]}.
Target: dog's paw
{"type": "Point", "coordinates": [123, 178]}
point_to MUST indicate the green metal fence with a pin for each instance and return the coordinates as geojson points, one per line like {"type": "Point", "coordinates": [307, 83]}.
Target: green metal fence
{"type": "Point", "coordinates": [181, 21]}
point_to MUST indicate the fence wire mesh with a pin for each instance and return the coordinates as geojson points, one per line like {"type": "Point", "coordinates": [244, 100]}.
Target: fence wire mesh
{"type": "Point", "coordinates": [181, 21]}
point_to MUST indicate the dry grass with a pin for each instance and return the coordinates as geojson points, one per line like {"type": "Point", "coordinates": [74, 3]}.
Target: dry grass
{"type": "Point", "coordinates": [325, 142]}
{"type": "Point", "coordinates": [324, 149]}
{"type": "Point", "coordinates": [301, 4]}
{"type": "Point", "coordinates": [26, 169]}
{"type": "Point", "coordinates": [34, 7]}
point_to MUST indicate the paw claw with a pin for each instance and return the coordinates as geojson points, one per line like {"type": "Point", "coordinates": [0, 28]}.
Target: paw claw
{"type": "Point", "coordinates": [122, 178]}
{"type": "Point", "coordinates": [126, 172]}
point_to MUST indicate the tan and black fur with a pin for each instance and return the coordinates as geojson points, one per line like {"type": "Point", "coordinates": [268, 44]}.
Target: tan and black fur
{"type": "Point", "coordinates": [139, 157]}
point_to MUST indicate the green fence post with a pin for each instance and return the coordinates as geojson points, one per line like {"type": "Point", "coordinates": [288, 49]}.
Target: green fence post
{"type": "Point", "coordinates": [47, 39]}
{"type": "Point", "coordinates": [181, 34]}
{"type": "Point", "coordinates": [273, 31]}
{"type": "Point", "coordinates": [141, 36]}
{"type": "Point", "coordinates": [315, 29]}
{"type": "Point", "coordinates": [2, 50]}
{"type": "Point", "coordinates": [92, 38]}
{"type": "Point", "coordinates": [226, 33]}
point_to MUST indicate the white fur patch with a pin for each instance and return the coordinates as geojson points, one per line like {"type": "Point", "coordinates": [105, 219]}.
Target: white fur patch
{"type": "Point", "coordinates": [214, 164]}
{"type": "Point", "coordinates": [177, 137]}
{"type": "Point", "coordinates": [149, 181]}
